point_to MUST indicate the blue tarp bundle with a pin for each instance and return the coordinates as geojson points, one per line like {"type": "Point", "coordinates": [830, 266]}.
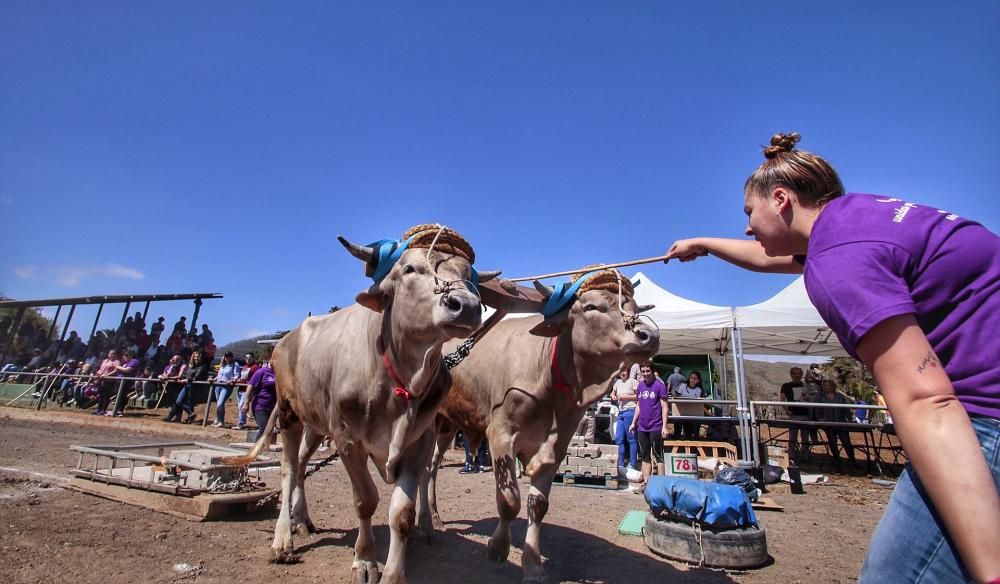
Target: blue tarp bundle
{"type": "Point", "coordinates": [711, 504]}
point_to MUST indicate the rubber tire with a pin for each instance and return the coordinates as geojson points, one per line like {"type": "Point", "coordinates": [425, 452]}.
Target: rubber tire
{"type": "Point", "coordinates": [731, 548]}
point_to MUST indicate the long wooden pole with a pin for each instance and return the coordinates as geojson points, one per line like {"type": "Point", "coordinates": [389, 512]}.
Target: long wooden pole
{"type": "Point", "coordinates": [591, 269]}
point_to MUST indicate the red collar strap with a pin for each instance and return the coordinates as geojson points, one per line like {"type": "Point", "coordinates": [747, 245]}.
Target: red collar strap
{"type": "Point", "coordinates": [400, 388]}
{"type": "Point", "coordinates": [557, 379]}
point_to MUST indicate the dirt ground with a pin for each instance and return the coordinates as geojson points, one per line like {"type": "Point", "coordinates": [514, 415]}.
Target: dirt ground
{"type": "Point", "coordinates": [50, 534]}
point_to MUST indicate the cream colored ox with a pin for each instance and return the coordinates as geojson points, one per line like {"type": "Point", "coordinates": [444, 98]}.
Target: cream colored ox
{"type": "Point", "coordinates": [526, 386]}
{"type": "Point", "coordinates": [371, 377]}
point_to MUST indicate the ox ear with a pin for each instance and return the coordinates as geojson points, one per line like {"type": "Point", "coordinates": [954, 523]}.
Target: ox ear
{"type": "Point", "coordinates": [552, 325]}
{"type": "Point", "coordinates": [644, 308]}
{"type": "Point", "coordinates": [488, 275]}
{"type": "Point", "coordinates": [372, 299]}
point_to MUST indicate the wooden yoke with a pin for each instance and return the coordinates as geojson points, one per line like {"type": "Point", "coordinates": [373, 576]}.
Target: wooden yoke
{"type": "Point", "coordinates": [497, 293]}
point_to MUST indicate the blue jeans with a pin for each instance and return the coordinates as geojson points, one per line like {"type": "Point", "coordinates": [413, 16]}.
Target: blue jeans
{"type": "Point", "coordinates": [909, 544]}
{"type": "Point", "coordinates": [222, 393]}
{"type": "Point", "coordinates": [626, 440]}
{"type": "Point", "coordinates": [241, 417]}
{"type": "Point", "coordinates": [482, 457]}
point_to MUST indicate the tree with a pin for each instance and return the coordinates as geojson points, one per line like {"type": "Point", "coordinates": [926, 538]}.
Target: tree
{"type": "Point", "coordinates": [852, 378]}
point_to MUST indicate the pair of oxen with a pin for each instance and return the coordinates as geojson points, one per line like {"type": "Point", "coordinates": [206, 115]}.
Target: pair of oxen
{"type": "Point", "coordinates": [373, 377]}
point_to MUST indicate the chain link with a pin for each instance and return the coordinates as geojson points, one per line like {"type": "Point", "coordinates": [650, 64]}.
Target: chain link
{"type": "Point", "coordinates": [451, 360]}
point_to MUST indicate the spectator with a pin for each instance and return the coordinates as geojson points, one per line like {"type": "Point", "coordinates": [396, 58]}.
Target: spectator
{"type": "Point", "coordinates": [197, 370]}
{"type": "Point", "coordinates": [480, 462]}
{"type": "Point", "coordinates": [250, 366]}
{"type": "Point", "coordinates": [624, 394]}
{"type": "Point", "coordinates": [128, 368]}
{"type": "Point", "coordinates": [675, 380]}
{"type": "Point", "coordinates": [69, 383]}
{"type": "Point", "coordinates": [138, 322]}
{"type": "Point", "coordinates": [104, 381]}
{"type": "Point", "coordinates": [171, 377]}
{"type": "Point", "coordinates": [156, 329]}
{"type": "Point", "coordinates": [206, 335]}
{"type": "Point", "coordinates": [181, 326]}
{"type": "Point", "coordinates": [84, 390]}
{"type": "Point", "coordinates": [175, 343]}
{"type": "Point", "coordinates": [150, 387]}
{"type": "Point", "coordinates": [151, 354]}
{"type": "Point", "coordinates": [792, 392]}
{"type": "Point", "coordinates": [261, 396]}
{"type": "Point", "coordinates": [209, 349]}
{"type": "Point", "coordinates": [839, 416]}
{"type": "Point", "coordinates": [690, 389]}
{"type": "Point", "coordinates": [650, 421]}
{"type": "Point", "coordinates": [142, 341]}
{"type": "Point", "coordinates": [229, 372]}
{"type": "Point", "coordinates": [911, 291]}
{"type": "Point", "coordinates": [93, 359]}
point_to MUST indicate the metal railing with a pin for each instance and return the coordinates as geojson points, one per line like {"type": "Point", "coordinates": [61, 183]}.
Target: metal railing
{"type": "Point", "coordinates": [48, 380]}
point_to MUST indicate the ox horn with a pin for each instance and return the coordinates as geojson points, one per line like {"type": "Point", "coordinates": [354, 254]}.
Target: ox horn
{"type": "Point", "coordinates": [644, 308]}
{"type": "Point", "coordinates": [488, 275]}
{"type": "Point", "coordinates": [362, 252]}
{"type": "Point", "coordinates": [543, 289]}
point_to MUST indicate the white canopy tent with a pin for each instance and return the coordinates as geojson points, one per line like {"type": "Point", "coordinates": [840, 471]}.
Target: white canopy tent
{"type": "Point", "coordinates": [785, 324]}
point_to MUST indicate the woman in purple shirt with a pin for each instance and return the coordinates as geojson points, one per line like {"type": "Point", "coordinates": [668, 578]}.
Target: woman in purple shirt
{"type": "Point", "coordinates": [650, 421]}
{"type": "Point", "coordinates": [261, 395]}
{"type": "Point", "coordinates": [914, 293]}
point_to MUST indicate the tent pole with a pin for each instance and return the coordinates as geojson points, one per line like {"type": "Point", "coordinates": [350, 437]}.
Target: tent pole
{"type": "Point", "coordinates": [742, 403]}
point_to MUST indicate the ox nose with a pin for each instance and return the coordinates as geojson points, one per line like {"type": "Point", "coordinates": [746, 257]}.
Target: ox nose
{"type": "Point", "coordinates": [649, 338]}
{"type": "Point", "coordinates": [463, 309]}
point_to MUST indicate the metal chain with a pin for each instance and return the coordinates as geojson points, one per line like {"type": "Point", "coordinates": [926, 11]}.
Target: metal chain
{"type": "Point", "coordinates": [266, 500]}
{"type": "Point", "coordinates": [451, 360]}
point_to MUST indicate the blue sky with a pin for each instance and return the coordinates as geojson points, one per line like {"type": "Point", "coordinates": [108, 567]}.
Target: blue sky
{"type": "Point", "coordinates": [181, 147]}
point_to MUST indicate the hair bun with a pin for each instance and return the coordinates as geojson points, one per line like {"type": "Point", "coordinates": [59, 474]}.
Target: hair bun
{"type": "Point", "coordinates": [781, 143]}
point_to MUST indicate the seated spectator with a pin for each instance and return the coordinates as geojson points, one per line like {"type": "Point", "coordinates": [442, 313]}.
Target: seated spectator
{"type": "Point", "coordinates": [128, 368]}
{"type": "Point", "coordinates": [104, 382]}
{"type": "Point", "coordinates": [229, 372]}
{"type": "Point", "coordinates": [68, 384]}
{"type": "Point", "coordinates": [209, 349]}
{"type": "Point", "coordinates": [142, 341]}
{"type": "Point", "coordinates": [93, 359]}
{"type": "Point", "coordinates": [690, 389]}
{"type": "Point", "coordinates": [172, 374]}
{"type": "Point", "coordinates": [250, 366]}
{"type": "Point", "coordinates": [197, 371]}
{"type": "Point", "coordinates": [149, 357]}
{"type": "Point", "coordinates": [175, 343]}
{"type": "Point", "coordinates": [150, 387]}
{"type": "Point", "coordinates": [838, 415]}
{"type": "Point", "coordinates": [77, 348]}
{"type": "Point", "coordinates": [85, 392]}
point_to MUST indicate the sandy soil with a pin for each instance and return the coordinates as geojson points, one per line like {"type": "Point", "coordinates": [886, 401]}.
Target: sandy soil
{"type": "Point", "coordinates": [49, 534]}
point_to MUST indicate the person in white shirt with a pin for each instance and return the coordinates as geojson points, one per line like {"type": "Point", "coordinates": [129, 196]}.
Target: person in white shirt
{"type": "Point", "coordinates": [690, 389]}
{"type": "Point", "coordinates": [624, 394]}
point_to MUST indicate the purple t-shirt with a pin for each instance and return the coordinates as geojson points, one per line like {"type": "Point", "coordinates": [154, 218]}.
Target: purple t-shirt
{"type": "Point", "coordinates": [132, 365]}
{"type": "Point", "coordinates": [648, 398]}
{"type": "Point", "coordinates": [871, 258]}
{"type": "Point", "coordinates": [264, 396]}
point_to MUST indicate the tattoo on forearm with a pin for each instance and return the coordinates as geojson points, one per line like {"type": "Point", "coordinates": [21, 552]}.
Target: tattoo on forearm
{"type": "Point", "coordinates": [929, 361]}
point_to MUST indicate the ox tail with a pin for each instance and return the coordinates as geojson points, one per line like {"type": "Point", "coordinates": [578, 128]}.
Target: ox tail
{"type": "Point", "coordinates": [263, 441]}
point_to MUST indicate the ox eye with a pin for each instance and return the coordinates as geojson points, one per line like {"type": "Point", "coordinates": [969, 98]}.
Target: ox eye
{"type": "Point", "coordinates": [589, 307]}
{"type": "Point", "coordinates": [408, 269]}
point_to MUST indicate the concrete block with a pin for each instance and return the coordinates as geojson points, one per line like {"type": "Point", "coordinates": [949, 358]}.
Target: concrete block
{"type": "Point", "coordinates": [588, 471]}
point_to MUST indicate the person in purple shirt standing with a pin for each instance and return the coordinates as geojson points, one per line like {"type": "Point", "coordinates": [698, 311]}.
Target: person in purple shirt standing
{"type": "Point", "coordinates": [128, 368]}
{"type": "Point", "coordinates": [261, 395]}
{"type": "Point", "coordinates": [914, 293]}
{"type": "Point", "coordinates": [650, 421]}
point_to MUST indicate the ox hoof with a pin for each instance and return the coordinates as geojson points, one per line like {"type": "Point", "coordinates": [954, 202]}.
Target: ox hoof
{"type": "Point", "coordinates": [393, 579]}
{"type": "Point", "coordinates": [436, 521]}
{"type": "Point", "coordinates": [284, 557]}
{"type": "Point", "coordinates": [365, 572]}
{"type": "Point", "coordinates": [496, 551]}
{"type": "Point", "coordinates": [304, 528]}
